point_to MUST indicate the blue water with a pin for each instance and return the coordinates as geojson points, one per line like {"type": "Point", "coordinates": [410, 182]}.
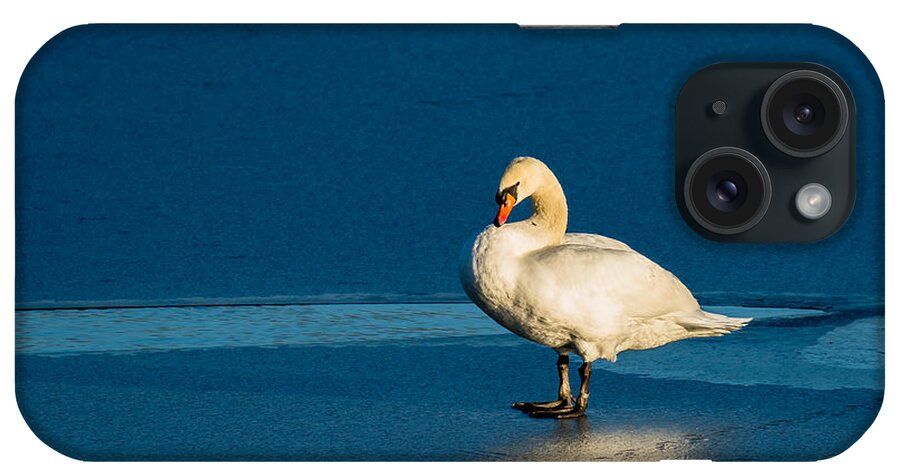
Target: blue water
{"type": "Point", "coordinates": [217, 162]}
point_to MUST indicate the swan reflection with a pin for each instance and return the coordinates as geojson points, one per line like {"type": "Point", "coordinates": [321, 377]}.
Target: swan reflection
{"type": "Point", "coordinates": [583, 440]}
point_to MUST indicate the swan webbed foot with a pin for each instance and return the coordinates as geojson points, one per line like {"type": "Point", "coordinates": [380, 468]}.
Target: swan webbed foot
{"type": "Point", "coordinates": [565, 407]}
{"type": "Point", "coordinates": [529, 407]}
{"type": "Point", "coordinates": [564, 399]}
{"type": "Point", "coordinates": [559, 413]}
{"type": "Point", "coordinates": [568, 411]}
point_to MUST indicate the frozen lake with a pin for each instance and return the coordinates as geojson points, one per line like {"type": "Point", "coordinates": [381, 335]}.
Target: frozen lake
{"type": "Point", "coordinates": [427, 381]}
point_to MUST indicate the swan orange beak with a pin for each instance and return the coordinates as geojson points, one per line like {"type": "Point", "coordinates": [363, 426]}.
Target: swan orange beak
{"type": "Point", "coordinates": [508, 203]}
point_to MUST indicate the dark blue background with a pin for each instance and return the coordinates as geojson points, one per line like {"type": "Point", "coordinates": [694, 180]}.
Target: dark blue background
{"type": "Point", "coordinates": [159, 162]}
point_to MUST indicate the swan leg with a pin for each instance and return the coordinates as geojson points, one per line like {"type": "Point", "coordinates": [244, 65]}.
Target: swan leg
{"type": "Point", "coordinates": [580, 404]}
{"type": "Point", "coordinates": [565, 398]}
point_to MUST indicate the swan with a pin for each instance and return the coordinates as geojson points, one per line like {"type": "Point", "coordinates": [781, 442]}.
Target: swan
{"type": "Point", "coordinates": [573, 292]}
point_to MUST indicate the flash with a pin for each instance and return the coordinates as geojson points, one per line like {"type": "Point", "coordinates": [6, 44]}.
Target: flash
{"type": "Point", "coordinates": [813, 201]}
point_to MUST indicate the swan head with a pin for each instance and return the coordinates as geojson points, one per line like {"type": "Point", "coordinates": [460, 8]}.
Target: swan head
{"type": "Point", "coordinates": [522, 177]}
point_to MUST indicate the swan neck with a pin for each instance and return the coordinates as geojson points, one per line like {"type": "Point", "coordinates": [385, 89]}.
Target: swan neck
{"type": "Point", "coordinates": [550, 211]}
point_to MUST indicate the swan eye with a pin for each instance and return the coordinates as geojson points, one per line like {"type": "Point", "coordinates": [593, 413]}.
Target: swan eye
{"type": "Point", "coordinates": [511, 190]}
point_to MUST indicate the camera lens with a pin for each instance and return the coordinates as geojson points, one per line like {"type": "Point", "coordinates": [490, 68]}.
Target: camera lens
{"type": "Point", "coordinates": [804, 113]}
{"type": "Point", "coordinates": [727, 190]}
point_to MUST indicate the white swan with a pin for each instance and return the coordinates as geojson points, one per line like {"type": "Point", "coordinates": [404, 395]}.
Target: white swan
{"type": "Point", "coordinates": [574, 292]}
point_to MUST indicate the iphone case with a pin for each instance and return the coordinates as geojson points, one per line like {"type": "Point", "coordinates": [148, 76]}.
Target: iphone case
{"type": "Point", "coordinates": [243, 242]}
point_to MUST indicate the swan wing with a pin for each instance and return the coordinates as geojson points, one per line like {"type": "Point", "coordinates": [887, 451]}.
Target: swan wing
{"type": "Point", "coordinates": [601, 296]}
{"type": "Point", "coordinates": [595, 277]}
{"type": "Point", "coordinates": [611, 300]}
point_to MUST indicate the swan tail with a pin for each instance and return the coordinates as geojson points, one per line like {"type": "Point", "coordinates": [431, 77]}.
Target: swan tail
{"type": "Point", "coordinates": [708, 324]}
